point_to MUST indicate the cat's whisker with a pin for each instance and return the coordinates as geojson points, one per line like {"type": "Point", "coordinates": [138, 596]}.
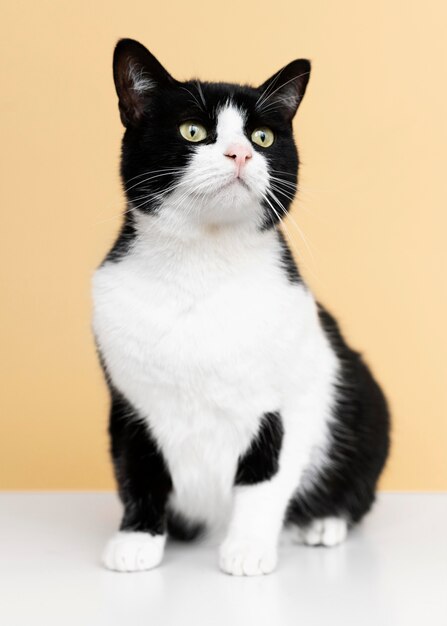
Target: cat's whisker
{"type": "Point", "coordinates": [155, 176]}
{"type": "Point", "coordinates": [285, 192]}
{"type": "Point", "coordinates": [130, 207]}
{"type": "Point", "coordinates": [299, 230]}
{"type": "Point", "coordinates": [283, 182]}
{"type": "Point", "coordinates": [202, 97]}
{"type": "Point", "coordinates": [199, 104]}
{"type": "Point", "coordinates": [302, 260]}
{"type": "Point", "coordinates": [275, 171]}
{"type": "Point", "coordinates": [273, 209]}
{"type": "Point", "coordinates": [148, 172]}
{"type": "Point", "coordinates": [113, 217]}
{"type": "Point", "coordinates": [280, 220]}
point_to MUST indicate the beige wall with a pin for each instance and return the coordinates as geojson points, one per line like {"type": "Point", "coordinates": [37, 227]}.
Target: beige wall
{"type": "Point", "coordinates": [372, 132]}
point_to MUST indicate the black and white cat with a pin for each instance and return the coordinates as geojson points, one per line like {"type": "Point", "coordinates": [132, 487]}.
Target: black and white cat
{"type": "Point", "coordinates": [235, 401]}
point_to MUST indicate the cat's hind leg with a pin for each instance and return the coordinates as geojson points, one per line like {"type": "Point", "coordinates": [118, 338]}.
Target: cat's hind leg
{"type": "Point", "coordinates": [327, 531]}
{"type": "Point", "coordinates": [129, 551]}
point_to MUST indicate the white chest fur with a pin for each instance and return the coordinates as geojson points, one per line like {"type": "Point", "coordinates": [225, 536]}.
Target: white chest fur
{"type": "Point", "coordinates": [203, 339]}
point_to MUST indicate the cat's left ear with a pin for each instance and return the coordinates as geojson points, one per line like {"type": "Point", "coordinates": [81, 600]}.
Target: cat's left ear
{"type": "Point", "coordinates": [284, 90]}
{"type": "Point", "coordinates": [137, 74]}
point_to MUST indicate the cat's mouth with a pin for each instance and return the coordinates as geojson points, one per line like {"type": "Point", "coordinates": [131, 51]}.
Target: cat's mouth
{"type": "Point", "coordinates": [237, 181]}
{"type": "Point", "coordinates": [234, 182]}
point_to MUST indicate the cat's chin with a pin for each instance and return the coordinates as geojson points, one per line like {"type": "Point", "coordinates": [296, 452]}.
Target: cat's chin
{"type": "Point", "coordinates": [231, 206]}
{"type": "Point", "coordinates": [235, 194]}
{"type": "Point", "coordinates": [236, 183]}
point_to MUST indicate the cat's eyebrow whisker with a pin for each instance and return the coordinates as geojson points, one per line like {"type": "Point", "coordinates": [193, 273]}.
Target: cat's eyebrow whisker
{"type": "Point", "coordinates": [199, 104]}
{"type": "Point", "coordinates": [202, 97]}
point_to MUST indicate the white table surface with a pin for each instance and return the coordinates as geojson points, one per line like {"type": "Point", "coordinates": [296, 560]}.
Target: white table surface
{"type": "Point", "coordinates": [392, 571]}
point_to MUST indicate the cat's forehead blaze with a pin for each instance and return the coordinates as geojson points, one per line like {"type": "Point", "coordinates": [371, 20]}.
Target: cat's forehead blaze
{"type": "Point", "coordinates": [230, 121]}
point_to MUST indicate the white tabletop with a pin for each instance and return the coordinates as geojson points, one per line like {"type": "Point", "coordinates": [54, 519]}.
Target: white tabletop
{"type": "Point", "coordinates": [392, 571]}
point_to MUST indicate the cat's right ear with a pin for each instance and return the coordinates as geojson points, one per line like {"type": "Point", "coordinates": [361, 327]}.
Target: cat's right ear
{"type": "Point", "coordinates": [136, 73]}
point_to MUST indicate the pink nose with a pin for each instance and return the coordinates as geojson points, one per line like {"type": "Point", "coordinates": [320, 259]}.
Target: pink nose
{"type": "Point", "coordinates": [239, 153]}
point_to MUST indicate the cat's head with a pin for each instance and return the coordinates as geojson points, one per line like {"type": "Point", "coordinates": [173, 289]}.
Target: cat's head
{"type": "Point", "coordinates": [207, 154]}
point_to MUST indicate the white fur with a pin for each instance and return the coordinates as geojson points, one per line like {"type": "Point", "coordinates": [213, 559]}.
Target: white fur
{"type": "Point", "coordinates": [133, 551]}
{"type": "Point", "coordinates": [139, 80]}
{"type": "Point", "coordinates": [329, 532]}
{"type": "Point", "coordinates": [203, 333]}
{"type": "Point", "coordinates": [249, 557]}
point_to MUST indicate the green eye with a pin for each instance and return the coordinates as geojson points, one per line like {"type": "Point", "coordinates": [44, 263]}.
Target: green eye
{"type": "Point", "coordinates": [192, 131]}
{"type": "Point", "coordinates": [263, 137]}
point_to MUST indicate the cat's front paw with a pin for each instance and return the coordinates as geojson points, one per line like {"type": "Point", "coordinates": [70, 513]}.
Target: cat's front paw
{"type": "Point", "coordinates": [247, 557]}
{"type": "Point", "coordinates": [133, 551]}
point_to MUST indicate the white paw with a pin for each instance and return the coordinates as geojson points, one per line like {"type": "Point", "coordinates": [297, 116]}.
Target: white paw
{"type": "Point", "coordinates": [247, 558]}
{"type": "Point", "coordinates": [133, 551]}
{"type": "Point", "coordinates": [329, 531]}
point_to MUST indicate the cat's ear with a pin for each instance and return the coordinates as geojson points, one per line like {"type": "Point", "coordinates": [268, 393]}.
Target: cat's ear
{"type": "Point", "coordinates": [136, 73]}
{"type": "Point", "coordinates": [284, 90]}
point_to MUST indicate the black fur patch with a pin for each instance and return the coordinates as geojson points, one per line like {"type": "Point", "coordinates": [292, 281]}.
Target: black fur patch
{"type": "Point", "coordinates": [124, 240]}
{"type": "Point", "coordinates": [143, 480]}
{"type": "Point", "coordinates": [183, 529]}
{"type": "Point", "coordinates": [288, 262]}
{"type": "Point", "coordinates": [260, 462]}
{"type": "Point", "coordinates": [359, 442]}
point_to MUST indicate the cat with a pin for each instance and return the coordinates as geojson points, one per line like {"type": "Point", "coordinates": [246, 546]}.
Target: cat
{"type": "Point", "coordinates": [235, 401]}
